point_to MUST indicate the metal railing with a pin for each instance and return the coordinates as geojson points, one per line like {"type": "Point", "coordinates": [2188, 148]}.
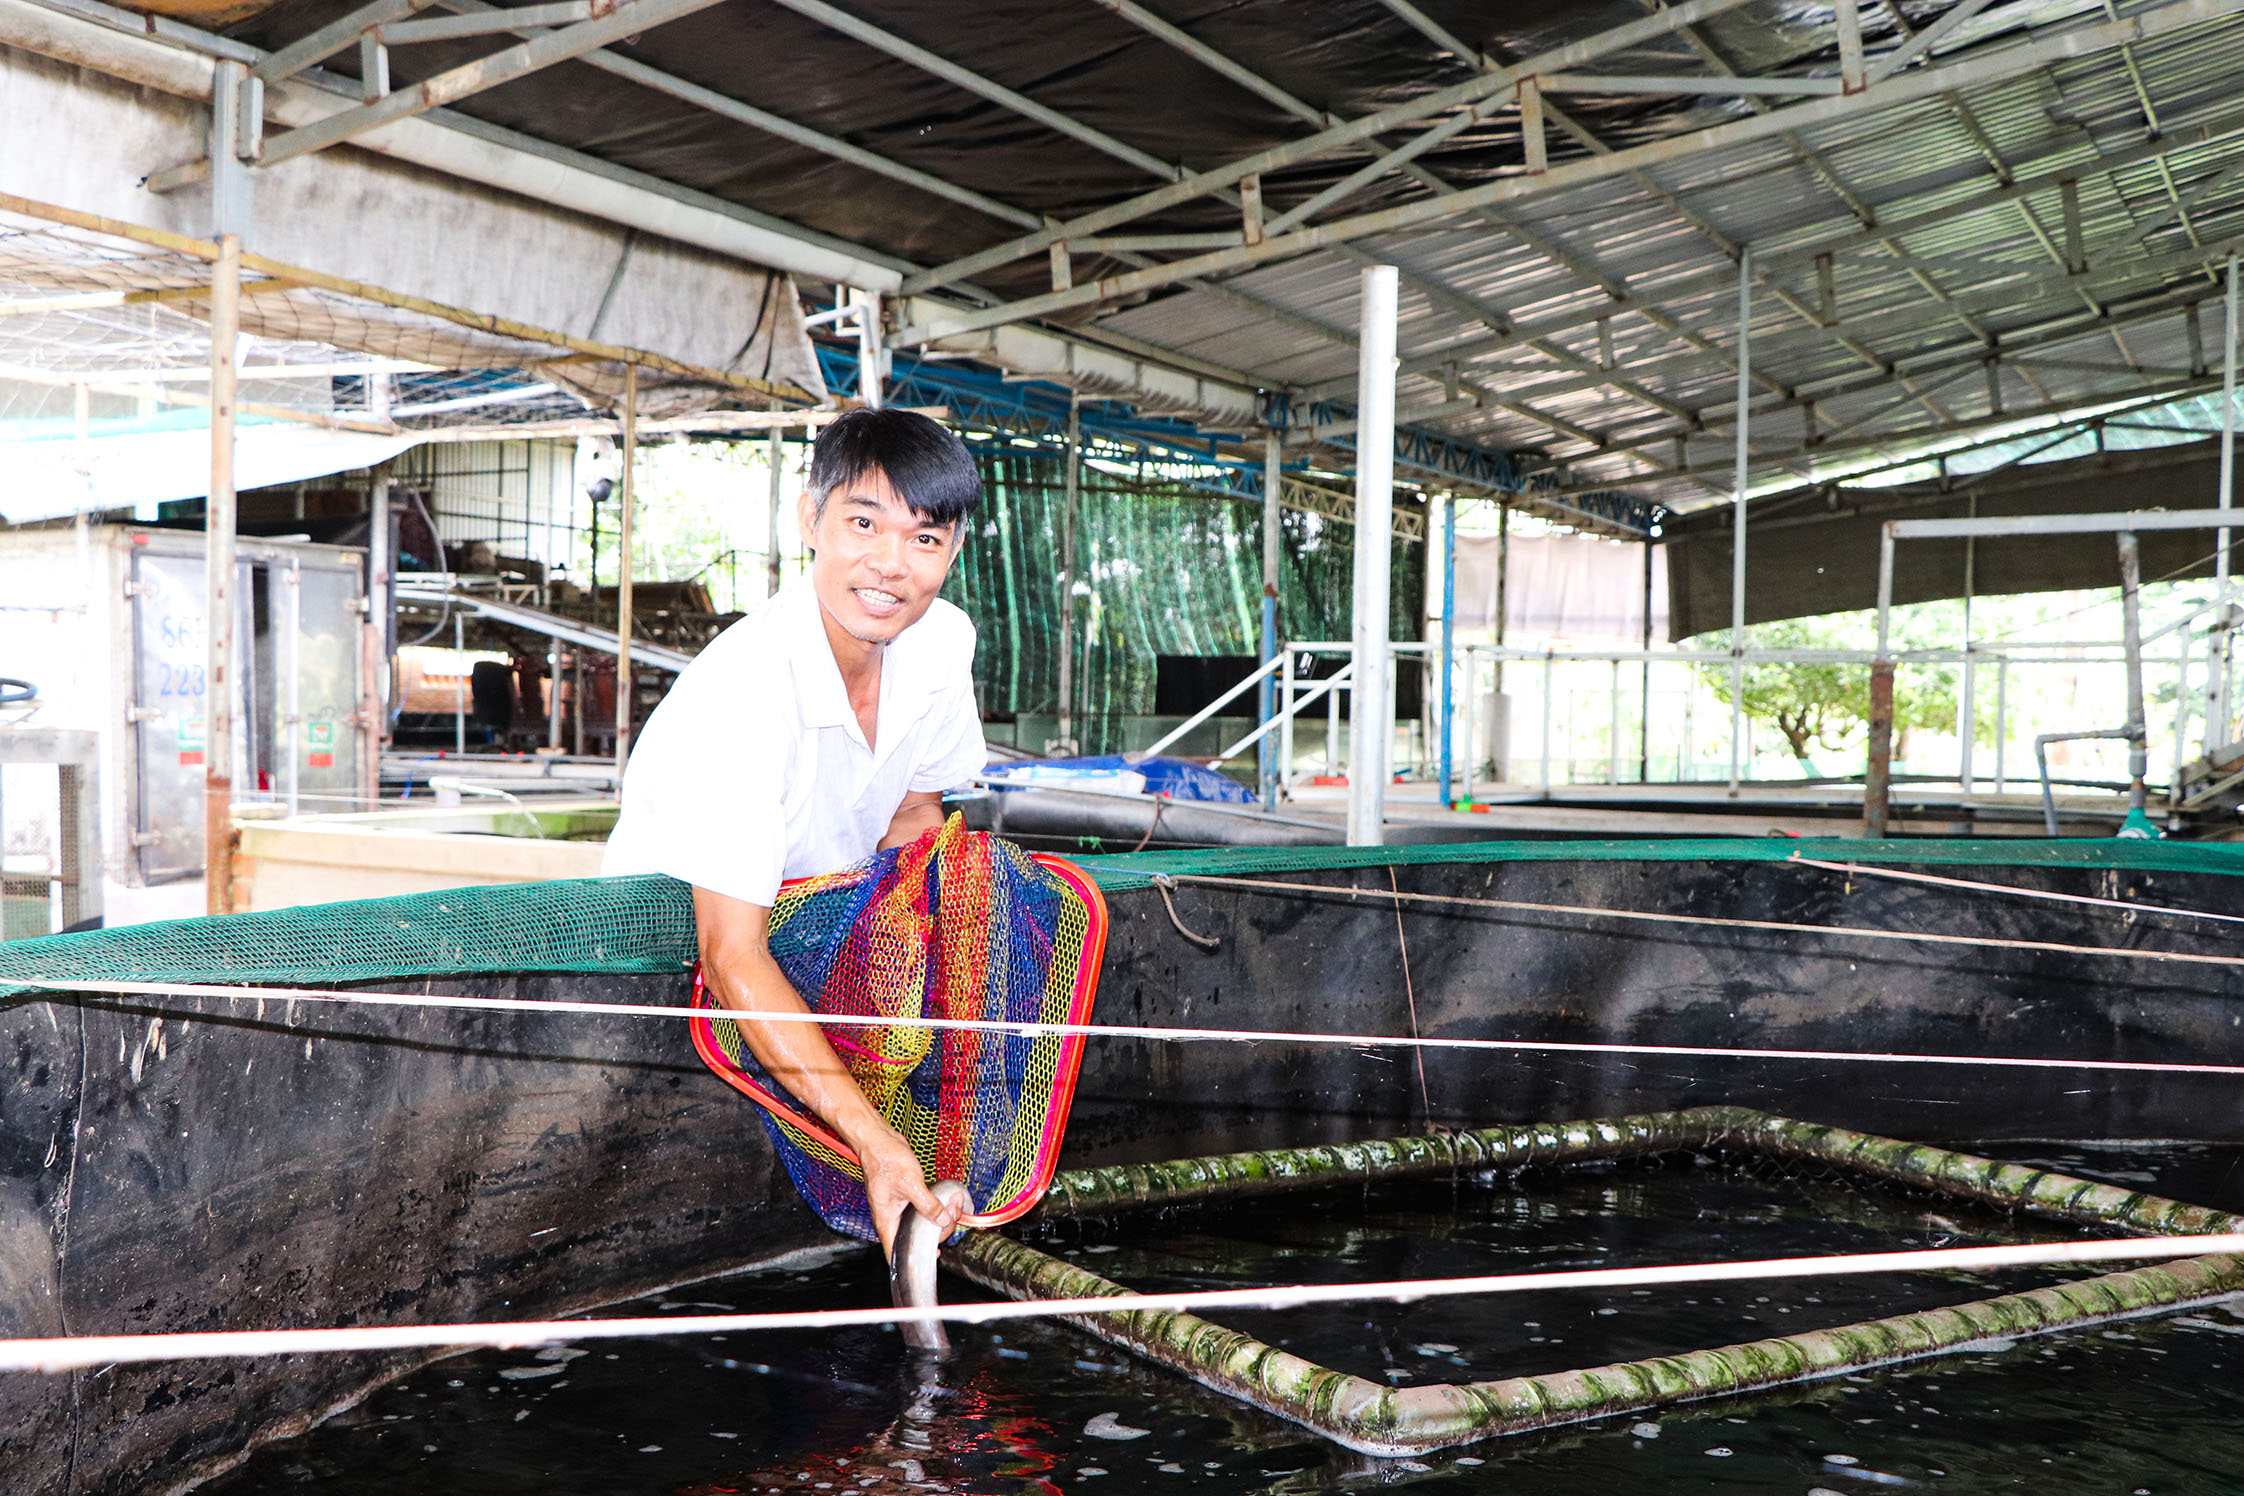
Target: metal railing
{"type": "Point", "coordinates": [1646, 726]}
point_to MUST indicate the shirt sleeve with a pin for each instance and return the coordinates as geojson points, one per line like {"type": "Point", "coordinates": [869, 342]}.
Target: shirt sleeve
{"type": "Point", "coordinates": [955, 751]}
{"type": "Point", "coordinates": [702, 796]}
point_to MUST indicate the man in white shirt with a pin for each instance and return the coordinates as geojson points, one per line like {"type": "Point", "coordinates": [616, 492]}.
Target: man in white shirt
{"type": "Point", "coordinates": [821, 727]}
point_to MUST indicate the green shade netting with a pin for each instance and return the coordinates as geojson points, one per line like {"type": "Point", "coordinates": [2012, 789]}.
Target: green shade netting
{"type": "Point", "coordinates": [1165, 570]}
{"type": "Point", "coordinates": [645, 924]}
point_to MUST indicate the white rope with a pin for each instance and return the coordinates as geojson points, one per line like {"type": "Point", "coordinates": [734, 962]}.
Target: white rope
{"type": "Point", "coordinates": [1591, 911]}
{"type": "Point", "coordinates": [1858, 870]}
{"type": "Point", "coordinates": [65, 1353]}
{"type": "Point", "coordinates": [1104, 1030]}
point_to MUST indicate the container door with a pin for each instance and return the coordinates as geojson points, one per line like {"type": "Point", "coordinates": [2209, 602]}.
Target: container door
{"type": "Point", "coordinates": [170, 692]}
{"type": "Point", "coordinates": [326, 690]}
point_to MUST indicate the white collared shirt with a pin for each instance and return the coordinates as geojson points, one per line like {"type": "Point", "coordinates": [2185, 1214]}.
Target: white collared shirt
{"type": "Point", "coordinates": [754, 769]}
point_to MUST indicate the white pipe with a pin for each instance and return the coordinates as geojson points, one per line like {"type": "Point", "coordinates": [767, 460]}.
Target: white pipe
{"type": "Point", "coordinates": [2217, 704]}
{"type": "Point", "coordinates": [1372, 713]}
{"type": "Point", "coordinates": [1737, 518]}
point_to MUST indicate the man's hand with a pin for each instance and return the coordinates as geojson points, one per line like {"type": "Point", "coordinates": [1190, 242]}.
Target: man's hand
{"type": "Point", "coordinates": [893, 1179]}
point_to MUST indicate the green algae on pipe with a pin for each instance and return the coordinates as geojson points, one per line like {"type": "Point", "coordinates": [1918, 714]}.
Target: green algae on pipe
{"type": "Point", "coordinates": [1377, 1419]}
{"type": "Point", "coordinates": [1239, 1176]}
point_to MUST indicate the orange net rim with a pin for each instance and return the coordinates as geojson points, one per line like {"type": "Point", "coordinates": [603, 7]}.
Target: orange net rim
{"type": "Point", "coordinates": [1064, 1070]}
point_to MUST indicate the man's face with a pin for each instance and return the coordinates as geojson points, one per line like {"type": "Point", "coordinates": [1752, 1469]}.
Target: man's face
{"type": "Point", "coordinates": [875, 565]}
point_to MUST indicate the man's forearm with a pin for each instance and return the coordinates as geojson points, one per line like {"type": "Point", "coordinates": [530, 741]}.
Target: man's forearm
{"type": "Point", "coordinates": [797, 1055]}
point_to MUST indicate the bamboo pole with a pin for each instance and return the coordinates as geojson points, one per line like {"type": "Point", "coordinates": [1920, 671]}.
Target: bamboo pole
{"type": "Point", "coordinates": [218, 586]}
{"type": "Point", "coordinates": [1378, 1419]}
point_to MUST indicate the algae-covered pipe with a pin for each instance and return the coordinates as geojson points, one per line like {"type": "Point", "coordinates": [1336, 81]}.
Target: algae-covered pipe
{"type": "Point", "coordinates": [1274, 1171]}
{"type": "Point", "coordinates": [1377, 1419]}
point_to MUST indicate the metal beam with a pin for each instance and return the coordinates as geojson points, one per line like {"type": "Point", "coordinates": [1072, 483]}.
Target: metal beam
{"type": "Point", "coordinates": [950, 72]}
{"type": "Point", "coordinates": [336, 36]}
{"type": "Point", "coordinates": [630, 69]}
{"type": "Point", "coordinates": [449, 87]}
{"type": "Point", "coordinates": [1995, 66]}
{"type": "Point", "coordinates": [1713, 281]}
{"type": "Point", "coordinates": [1486, 94]}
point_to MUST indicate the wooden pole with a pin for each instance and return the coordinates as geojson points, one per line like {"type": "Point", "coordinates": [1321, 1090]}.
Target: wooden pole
{"type": "Point", "coordinates": [218, 586]}
{"type": "Point", "coordinates": [623, 565]}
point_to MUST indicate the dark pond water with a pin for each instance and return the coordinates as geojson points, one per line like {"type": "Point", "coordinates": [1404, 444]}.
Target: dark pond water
{"type": "Point", "coordinates": [2147, 1406]}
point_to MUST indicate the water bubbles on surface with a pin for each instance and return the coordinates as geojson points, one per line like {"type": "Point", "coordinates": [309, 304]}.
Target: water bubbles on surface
{"type": "Point", "coordinates": [1435, 1348]}
{"type": "Point", "coordinates": [1110, 1426]}
{"type": "Point", "coordinates": [1720, 1452]}
{"type": "Point", "coordinates": [1412, 1465]}
{"type": "Point", "coordinates": [1172, 1468]}
{"type": "Point", "coordinates": [650, 1449]}
{"type": "Point", "coordinates": [1471, 1460]}
{"type": "Point", "coordinates": [1645, 1430]}
{"type": "Point", "coordinates": [526, 1373]}
{"type": "Point", "coordinates": [521, 1415]}
{"type": "Point", "coordinates": [1840, 1459]}
{"type": "Point", "coordinates": [560, 1353]}
{"type": "Point", "coordinates": [1089, 1470]}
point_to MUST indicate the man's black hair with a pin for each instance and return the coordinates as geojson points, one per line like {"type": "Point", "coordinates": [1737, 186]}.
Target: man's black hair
{"type": "Point", "coordinates": [929, 468]}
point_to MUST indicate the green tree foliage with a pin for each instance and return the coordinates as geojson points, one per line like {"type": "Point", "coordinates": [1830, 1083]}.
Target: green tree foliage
{"type": "Point", "coordinates": [1827, 705]}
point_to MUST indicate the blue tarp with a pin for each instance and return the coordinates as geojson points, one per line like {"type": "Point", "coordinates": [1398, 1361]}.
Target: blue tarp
{"type": "Point", "coordinates": [1177, 778]}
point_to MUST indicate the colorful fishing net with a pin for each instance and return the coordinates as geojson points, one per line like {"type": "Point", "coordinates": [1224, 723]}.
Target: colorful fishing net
{"type": "Point", "coordinates": [957, 925]}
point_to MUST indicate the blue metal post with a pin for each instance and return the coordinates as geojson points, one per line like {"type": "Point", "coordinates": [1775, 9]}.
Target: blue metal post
{"type": "Point", "coordinates": [1267, 767]}
{"type": "Point", "coordinates": [1448, 639]}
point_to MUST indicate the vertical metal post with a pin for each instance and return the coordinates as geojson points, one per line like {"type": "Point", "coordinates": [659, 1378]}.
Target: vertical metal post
{"type": "Point", "coordinates": [2137, 823]}
{"type": "Point", "coordinates": [2181, 719]}
{"type": "Point", "coordinates": [218, 586]}
{"type": "Point", "coordinates": [775, 455]}
{"type": "Point", "coordinates": [1072, 481]}
{"type": "Point", "coordinates": [381, 643]}
{"type": "Point", "coordinates": [1549, 694]}
{"type": "Point", "coordinates": [1285, 724]}
{"type": "Point", "coordinates": [2002, 721]}
{"type": "Point", "coordinates": [1472, 721]}
{"type": "Point", "coordinates": [1267, 765]}
{"type": "Point", "coordinates": [1967, 700]}
{"type": "Point", "coordinates": [868, 348]}
{"type": "Point", "coordinates": [237, 116]}
{"type": "Point", "coordinates": [460, 684]}
{"type": "Point", "coordinates": [1372, 716]}
{"type": "Point", "coordinates": [553, 698]}
{"type": "Point", "coordinates": [2217, 705]}
{"type": "Point", "coordinates": [1877, 784]}
{"type": "Point", "coordinates": [1613, 725]}
{"type": "Point", "coordinates": [624, 568]}
{"type": "Point", "coordinates": [1332, 730]}
{"type": "Point", "coordinates": [1644, 685]}
{"type": "Point", "coordinates": [1448, 642]}
{"type": "Point", "coordinates": [290, 645]}
{"type": "Point", "coordinates": [1503, 584]}
{"type": "Point", "coordinates": [1737, 518]}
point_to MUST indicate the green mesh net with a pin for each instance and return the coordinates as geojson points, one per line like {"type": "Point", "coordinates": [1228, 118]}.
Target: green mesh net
{"type": "Point", "coordinates": [1166, 569]}
{"type": "Point", "coordinates": [578, 924]}
{"type": "Point", "coordinates": [646, 924]}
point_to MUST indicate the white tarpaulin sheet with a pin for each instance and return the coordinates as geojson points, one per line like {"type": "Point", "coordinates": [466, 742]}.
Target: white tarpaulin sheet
{"type": "Point", "coordinates": [51, 476]}
{"type": "Point", "coordinates": [1561, 587]}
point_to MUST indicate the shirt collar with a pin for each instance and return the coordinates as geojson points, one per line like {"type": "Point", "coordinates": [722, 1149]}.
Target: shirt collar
{"type": "Point", "coordinates": [820, 697]}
